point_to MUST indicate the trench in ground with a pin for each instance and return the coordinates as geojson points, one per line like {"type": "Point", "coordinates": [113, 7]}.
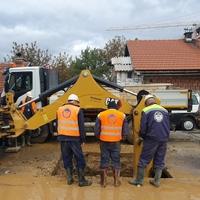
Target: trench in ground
{"type": "Point", "coordinates": [92, 168]}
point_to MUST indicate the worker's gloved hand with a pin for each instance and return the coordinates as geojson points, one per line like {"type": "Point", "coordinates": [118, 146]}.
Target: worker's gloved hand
{"type": "Point", "coordinates": [139, 141]}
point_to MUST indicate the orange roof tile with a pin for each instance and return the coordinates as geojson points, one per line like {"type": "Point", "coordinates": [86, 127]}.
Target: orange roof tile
{"type": "Point", "coordinates": [164, 55]}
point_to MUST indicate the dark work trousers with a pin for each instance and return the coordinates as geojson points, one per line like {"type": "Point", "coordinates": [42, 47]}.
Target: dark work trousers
{"type": "Point", "coordinates": [110, 151]}
{"type": "Point", "coordinates": [72, 149]}
{"type": "Point", "coordinates": [153, 150]}
{"type": "Point", "coordinates": [28, 133]}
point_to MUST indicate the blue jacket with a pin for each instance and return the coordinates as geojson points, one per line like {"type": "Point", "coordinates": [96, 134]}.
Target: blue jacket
{"type": "Point", "coordinates": [155, 123]}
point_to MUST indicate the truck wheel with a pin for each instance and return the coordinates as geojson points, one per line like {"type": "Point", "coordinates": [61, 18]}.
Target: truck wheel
{"type": "Point", "coordinates": [187, 124]}
{"type": "Point", "coordinates": [40, 135]}
{"type": "Point", "coordinates": [130, 138]}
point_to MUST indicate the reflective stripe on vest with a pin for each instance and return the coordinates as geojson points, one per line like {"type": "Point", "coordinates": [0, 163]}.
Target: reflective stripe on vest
{"type": "Point", "coordinates": [111, 125]}
{"type": "Point", "coordinates": [68, 120]}
{"type": "Point", "coordinates": [154, 107]}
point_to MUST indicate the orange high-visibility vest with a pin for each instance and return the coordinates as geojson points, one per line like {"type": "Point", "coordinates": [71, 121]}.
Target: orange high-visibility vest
{"type": "Point", "coordinates": [68, 120]}
{"type": "Point", "coordinates": [33, 106]}
{"type": "Point", "coordinates": [111, 125]}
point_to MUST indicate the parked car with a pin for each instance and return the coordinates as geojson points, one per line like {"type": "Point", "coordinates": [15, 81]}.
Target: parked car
{"type": "Point", "coordinates": [184, 120]}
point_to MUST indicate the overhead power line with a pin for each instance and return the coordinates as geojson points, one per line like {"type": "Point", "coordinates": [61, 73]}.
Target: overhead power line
{"type": "Point", "coordinates": [155, 26]}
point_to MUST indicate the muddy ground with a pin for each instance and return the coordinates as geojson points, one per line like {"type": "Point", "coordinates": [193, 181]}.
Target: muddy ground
{"type": "Point", "coordinates": [36, 173]}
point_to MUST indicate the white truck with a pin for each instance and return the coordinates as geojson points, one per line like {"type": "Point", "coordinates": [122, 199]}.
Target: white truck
{"type": "Point", "coordinates": [36, 79]}
{"type": "Point", "coordinates": [184, 120]}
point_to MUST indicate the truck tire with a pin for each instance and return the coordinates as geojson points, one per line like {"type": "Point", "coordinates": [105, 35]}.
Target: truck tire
{"type": "Point", "coordinates": [40, 135]}
{"type": "Point", "coordinates": [187, 124]}
{"type": "Point", "coordinates": [130, 138]}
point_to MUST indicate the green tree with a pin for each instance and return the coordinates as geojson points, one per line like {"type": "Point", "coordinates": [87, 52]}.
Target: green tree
{"type": "Point", "coordinates": [62, 63]}
{"type": "Point", "coordinates": [92, 59]}
{"type": "Point", "coordinates": [96, 59]}
{"type": "Point", "coordinates": [30, 52]}
{"type": "Point", "coordinates": [115, 47]}
{"type": "Point", "coordinates": [99, 60]}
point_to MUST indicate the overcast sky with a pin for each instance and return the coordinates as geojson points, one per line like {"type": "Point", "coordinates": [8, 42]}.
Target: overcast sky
{"type": "Point", "coordinates": [72, 25]}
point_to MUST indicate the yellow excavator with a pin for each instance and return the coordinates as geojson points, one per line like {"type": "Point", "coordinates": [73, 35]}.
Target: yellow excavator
{"type": "Point", "coordinates": [94, 94]}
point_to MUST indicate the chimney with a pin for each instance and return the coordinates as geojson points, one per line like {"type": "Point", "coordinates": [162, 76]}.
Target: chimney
{"type": "Point", "coordinates": [188, 35]}
{"type": "Point", "coordinates": [20, 61]}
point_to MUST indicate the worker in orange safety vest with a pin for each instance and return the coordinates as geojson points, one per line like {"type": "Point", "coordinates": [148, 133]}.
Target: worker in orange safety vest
{"type": "Point", "coordinates": [28, 111]}
{"type": "Point", "coordinates": [111, 127]}
{"type": "Point", "coordinates": [71, 135]}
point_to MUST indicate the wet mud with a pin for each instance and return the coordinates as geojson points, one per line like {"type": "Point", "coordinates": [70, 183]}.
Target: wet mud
{"type": "Point", "coordinates": [37, 173]}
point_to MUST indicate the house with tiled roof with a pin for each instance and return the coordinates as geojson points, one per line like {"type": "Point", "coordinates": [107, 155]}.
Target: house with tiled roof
{"type": "Point", "coordinates": [161, 61]}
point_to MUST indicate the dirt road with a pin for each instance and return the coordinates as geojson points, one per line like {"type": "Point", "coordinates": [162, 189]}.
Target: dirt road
{"type": "Point", "coordinates": [28, 174]}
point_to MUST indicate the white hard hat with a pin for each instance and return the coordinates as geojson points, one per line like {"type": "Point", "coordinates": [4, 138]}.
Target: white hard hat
{"type": "Point", "coordinates": [148, 96]}
{"type": "Point", "coordinates": [29, 94]}
{"type": "Point", "coordinates": [73, 97]}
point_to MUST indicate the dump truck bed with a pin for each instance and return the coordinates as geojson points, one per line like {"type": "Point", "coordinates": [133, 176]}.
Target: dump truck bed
{"type": "Point", "coordinates": [171, 99]}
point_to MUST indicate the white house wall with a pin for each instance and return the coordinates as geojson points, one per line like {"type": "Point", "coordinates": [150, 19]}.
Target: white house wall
{"type": "Point", "coordinates": [123, 66]}
{"type": "Point", "coordinates": [123, 80]}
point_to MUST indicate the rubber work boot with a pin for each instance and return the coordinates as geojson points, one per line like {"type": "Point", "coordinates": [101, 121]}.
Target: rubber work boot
{"type": "Point", "coordinates": [156, 181]}
{"type": "Point", "coordinates": [81, 179]}
{"type": "Point", "coordinates": [140, 177]}
{"type": "Point", "coordinates": [116, 175]}
{"type": "Point", "coordinates": [69, 172]}
{"type": "Point", "coordinates": [23, 141]}
{"type": "Point", "coordinates": [28, 140]}
{"type": "Point", "coordinates": [103, 177]}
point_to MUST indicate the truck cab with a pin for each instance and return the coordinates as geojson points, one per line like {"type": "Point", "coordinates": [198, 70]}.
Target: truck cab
{"type": "Point", "coordinates": [36, 79]}
{"type": "Point", "coordinates": [184, 120]}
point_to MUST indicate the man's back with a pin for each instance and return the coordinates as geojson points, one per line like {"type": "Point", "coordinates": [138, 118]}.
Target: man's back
{"type": "Point", "coordinates": [155, 123]}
